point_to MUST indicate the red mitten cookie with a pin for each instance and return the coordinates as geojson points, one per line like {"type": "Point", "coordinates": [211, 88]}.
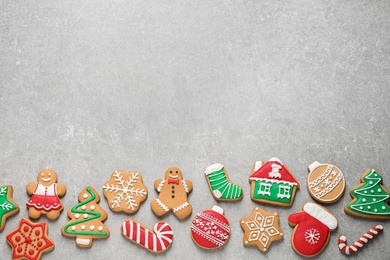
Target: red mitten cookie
{"type": "Point", "coordinates": [312, 229]}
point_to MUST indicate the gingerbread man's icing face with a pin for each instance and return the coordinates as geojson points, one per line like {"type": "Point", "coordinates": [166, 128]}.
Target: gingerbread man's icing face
{"type": "Point", "coordinates": [174, 173]}
{"type": "Point", "coordinates": [47, 177]}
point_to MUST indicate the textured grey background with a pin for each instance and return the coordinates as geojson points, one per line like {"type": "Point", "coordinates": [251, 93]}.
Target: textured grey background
{"type": "Point", "coordinates": [88, 87]}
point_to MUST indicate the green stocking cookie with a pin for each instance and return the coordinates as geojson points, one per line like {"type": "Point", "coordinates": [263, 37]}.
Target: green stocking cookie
{"type": "Point", "coordinates": [220, 185]}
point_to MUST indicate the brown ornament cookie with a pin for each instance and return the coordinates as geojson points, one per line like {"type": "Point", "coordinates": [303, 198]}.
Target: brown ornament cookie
{"type": "Point", "coordinates": [325, 182]}
{"type": "Point", "coordinates": [261, 228]}
{"type": "Point", "coordinates": [45, 196]}
{"type": "Point", "coordinates": [173, 190]}
{"type": "Point", "coordinates": [125, 191]}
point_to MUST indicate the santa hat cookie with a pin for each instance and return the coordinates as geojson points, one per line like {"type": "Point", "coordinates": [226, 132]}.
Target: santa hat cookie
{"type": "Point", "coordinates": [210, 229]}
{"type": "Point", "coordinates": [312, 229]}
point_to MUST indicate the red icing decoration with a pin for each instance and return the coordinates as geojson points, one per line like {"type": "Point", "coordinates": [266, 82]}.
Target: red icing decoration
{"type": "Point", "coordinates": [263, 173]}
{"type": "Point", "coordinates": [157, 240]}
{"type": "Point", "coordinates": [37, 233]}
{"type": "Point", "coordinates": [210, 229]}
{"type": "Point", "coordinates": [28, 248]}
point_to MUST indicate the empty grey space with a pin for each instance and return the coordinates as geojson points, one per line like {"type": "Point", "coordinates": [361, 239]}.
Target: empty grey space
{"type": "Point", "coordinates": [90, 87]}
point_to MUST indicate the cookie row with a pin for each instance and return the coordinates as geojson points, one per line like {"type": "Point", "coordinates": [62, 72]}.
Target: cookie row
{"type": "Point", "coordinates": [210, 229]}
{"type": "Point", "coordinates": [271, 182]}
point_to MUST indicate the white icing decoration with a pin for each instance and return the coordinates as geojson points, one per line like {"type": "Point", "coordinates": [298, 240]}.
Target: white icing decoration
{"type": "Point", "coordinates": [92, 207]}
{"type": "Point", "coordinates": [185, 186]}
{"type": "Point", "coordinates": [83, 207]}
{"type": "Point", "coordinates": [73, 228]}
{"type": "Point", "coordinates": [92, 227]}
{"type": "Point", "coordinates": [82, 241]}
{"type": "Point", "coordinates": [321, 214]}
{"type": "Point", "coordinates": [213, 168]}
{"type": "Point", "coordinates": [85, 195]}
{"type": "Point", "coordinates": [274, 173]}
{"type": "Point", "coordinates": [379, 190]}
{"type": "Point", "coordinates": [182, 206]}
{"type": "Point", "coordinates": [364, 200]}
{"type": "Point", "coordinates": [77, 215]}
{"type": "Point", "coordinates": [159, 202]}
{"type": "Point", "coordinates": [85, 215]}
{"type": "Point", "coordinates": [312, 236]}
{"type": "Point", "coordinates": [100, 228]}
{"type": "Point", "coordinates": [82, 227]}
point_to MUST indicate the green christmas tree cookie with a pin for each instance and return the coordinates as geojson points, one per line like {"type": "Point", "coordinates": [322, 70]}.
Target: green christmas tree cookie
{"type": "Point", "coordinates": [370, 198]}
{"type": "Point", "coordinates": [86, 219]}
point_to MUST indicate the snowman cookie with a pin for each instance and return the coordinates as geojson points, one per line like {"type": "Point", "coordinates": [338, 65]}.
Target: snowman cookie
{"type": "Point", "coordinates": [45, 196]}
{"type": "Point", "coordinates": [173, 190]}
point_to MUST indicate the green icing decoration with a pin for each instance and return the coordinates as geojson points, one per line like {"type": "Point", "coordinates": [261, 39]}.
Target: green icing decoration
{"type": "Point", "coordinates": [94, 214]}
{"type": "Point", "coordinates": [370, 198]}
{"type": "Point", "coordinates": [221, 187]}
{"type": "Point", "coordinates": [273, 191]}
{"type": "Point", "coordinates": [5, 205]}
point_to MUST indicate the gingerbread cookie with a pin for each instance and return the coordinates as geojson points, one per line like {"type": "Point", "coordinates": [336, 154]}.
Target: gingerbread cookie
{"type": "Point", "coordinates": [30, 240]}
{"type": "Point", "coordinates": [312, 228]}
{"type": "Point", "coordinates": [87, 219]}
{"type": "Point", "coordinates": [125, 191]}
{"type": "Point", "coordinates": [210, 229]}
{"type": "Point", "coordinates": [157, 240]}
{"type": "Point", "coordinates": [261, 228]}
{"type": "Point", "coordinates": [220, 186]}
{"type": "Point", "coordinates": [8, 206]}
{"type": "Point", "coordinates": [370, 198]}
{"type": "Point", "coordinates": [173, 190]}
{"type": "Point", "coordinates": [325, 182]}
{"type": "Point", "coordinates": [273, 183]}
{"type": "Point", "coordinates": [45, 196]}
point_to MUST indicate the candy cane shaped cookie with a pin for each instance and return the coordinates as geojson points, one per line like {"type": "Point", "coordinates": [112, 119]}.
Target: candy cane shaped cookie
{"type": "Point", "coordinates": [360, 243]}
{"type": "Point", "coordinates": [157, 241]}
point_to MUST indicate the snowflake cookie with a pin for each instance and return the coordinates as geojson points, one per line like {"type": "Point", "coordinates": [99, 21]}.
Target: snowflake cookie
{"type": "Point", "coordinates": [125, 191]}
{"type": "Point", "coordinates": [261, 228]}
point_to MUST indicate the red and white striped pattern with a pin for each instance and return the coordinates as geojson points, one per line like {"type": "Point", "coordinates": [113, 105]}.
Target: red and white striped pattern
{"type": "Point", "coordinates": [360, 243]}
{"type": "Point", "coordinates": [156, 241]}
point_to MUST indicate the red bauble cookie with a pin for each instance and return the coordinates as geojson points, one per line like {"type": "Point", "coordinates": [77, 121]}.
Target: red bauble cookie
{"type": "Point", "coordinates": [210, 229]}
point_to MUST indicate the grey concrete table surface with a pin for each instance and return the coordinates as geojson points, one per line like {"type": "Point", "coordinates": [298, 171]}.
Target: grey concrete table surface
{"type": "Point", "coordinates": [88, 87]}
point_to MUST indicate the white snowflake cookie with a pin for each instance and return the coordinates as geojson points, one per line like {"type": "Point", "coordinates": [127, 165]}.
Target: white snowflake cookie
{"type": "Point", "coordinates": [125, 191]}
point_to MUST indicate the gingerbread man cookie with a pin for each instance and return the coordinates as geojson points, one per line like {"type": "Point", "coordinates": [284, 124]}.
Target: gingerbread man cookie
{"type": "Point", "coordinates": [173, 190]}
{"type": "Point", "coordinates": [45, 196]}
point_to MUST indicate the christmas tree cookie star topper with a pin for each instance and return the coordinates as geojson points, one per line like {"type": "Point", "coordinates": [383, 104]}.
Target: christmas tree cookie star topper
{"type": "Point", "coordinates": [370, 198]}
{"type": "Point", "coordinates": [87, 219]}
{"type": "Point", "coordinates": [8, 206]}
{"type": "Point", "coordinates": [220, 186]}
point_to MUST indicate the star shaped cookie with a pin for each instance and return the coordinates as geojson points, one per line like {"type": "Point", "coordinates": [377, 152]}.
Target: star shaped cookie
{"type": "Point", "coordinates": [8, 206]}
{"type": "Point", "coordinates": [261, 228]}
{"type": "Point", "coordinates": [29, 240]}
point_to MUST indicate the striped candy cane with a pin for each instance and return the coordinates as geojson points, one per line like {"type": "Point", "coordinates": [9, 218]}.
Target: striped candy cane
{"type": "Point", "coordinates": [360, 243]}
{"type": "Point", "coordinates": [156, 241]}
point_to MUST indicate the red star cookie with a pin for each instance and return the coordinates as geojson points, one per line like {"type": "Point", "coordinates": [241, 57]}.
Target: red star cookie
{"type": "Point", "coordinates": [261, 228]}
{"type": "Point", "coordinates": [29, 240]}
